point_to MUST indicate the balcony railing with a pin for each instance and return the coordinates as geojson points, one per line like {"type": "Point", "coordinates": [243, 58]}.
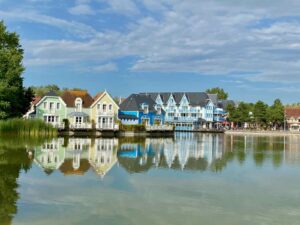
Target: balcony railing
{"type": "Point", "coordinates": [57, 125]}
{"type": "Point", "coordinates": [105, 113]}
{"type": "Point", "coordinates": [159, 128]}
{"type": "Point", "coordinates": [107, 126]}
{"type": "Point", "coordinates": [181, 119]}
{"type": "Point", "coordinates": [81, 126]}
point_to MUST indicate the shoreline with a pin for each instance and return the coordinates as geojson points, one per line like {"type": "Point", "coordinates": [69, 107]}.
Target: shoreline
{"type": "Point", "coordinates": [262, 133]}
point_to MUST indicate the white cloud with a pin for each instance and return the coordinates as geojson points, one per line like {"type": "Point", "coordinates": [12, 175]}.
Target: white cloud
{"type": "Point", "coordinates": [109, 67]}
{"type": "Point", "coordinates": [253, 38]}
{"type": "Point", "coordinates": [82, 9]}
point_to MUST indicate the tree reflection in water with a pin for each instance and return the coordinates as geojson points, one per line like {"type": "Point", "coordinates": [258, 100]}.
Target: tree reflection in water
{"type": "Point", "coordinates": [183, 152]}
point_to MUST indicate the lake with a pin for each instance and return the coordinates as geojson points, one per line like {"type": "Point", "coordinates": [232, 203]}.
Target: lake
{"type": "Point", "coordinates": [189, 179]}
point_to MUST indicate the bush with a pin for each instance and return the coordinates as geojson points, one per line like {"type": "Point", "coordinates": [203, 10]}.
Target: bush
{"type": "Point", "coordinates": [133, 128]}
{"type": "Point", "coordinates": [26, 127]}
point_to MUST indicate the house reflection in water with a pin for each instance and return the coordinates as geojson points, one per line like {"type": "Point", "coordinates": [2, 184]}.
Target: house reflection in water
{"type": "Point", "coordinates": [184, 151]}
{"type": "Point", "coordinates": [77, 155]}
{"type": "Point", "coordinates": [103, 155]}
{"type": "Point", "coordinates": [50, 156]}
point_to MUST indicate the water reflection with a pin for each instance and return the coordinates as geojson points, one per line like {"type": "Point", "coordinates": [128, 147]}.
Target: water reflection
{"type": "Point", "coordinates": [184, 152]}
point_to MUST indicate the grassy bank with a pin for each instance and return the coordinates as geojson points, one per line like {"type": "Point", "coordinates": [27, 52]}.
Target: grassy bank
{"type": "Point", "coordinates": [132, 128]}
{"type": "Point", "coordinates": [22, 127]}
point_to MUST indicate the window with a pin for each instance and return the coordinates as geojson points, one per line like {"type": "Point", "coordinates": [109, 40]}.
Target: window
{"type": "Point", "coordinates": [158, 110]}
{"type": "Point", "coordinates": [184, 114]}
{"type": "Point", "coordinates": [98, 106]}
{"type": "Point", "coordinates": [58, 105]}
{"type": "Point", "coordinates": [51, 105]}
{"type": "Point", "coordinates": [45, 105]}
{"type": "Point", "coordinates": [110, 107]}
{"type": "Point", "coordinates": [104, 107]}
{"type": "Point", "coordinates": [78, 104]}
{"type": "Point", "coordinates": [78, 119]}
{"type": "Point", "coordinates": [146, 109]}
{"type": "Point", "coordinates": [194, 114]}
{"type": "Point", "coordinates": [171, 114]}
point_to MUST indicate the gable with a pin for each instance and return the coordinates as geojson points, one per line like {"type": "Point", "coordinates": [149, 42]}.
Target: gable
{"type": "Point", "coordinates": [104, 97]}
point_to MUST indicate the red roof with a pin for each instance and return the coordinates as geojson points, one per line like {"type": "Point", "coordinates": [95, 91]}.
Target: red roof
{"type": "Point", "coordinates": [70, 96]}
{"type": "Point", "coordinates": [292, 112]}
{"type": "Point", "coordinates": [36, 99]}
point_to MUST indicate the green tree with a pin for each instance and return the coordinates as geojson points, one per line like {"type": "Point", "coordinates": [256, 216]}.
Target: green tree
{"type": "Point", "coordinates": [14, 98]}
{"type": "Point", "coordinates": [42, 90]}
{"type": "Point", "coordinates": [260, 113]}
{"type": "Point", "coordinates": [276, 114]}
{"type": "Point", "coordinates": [222, 95]}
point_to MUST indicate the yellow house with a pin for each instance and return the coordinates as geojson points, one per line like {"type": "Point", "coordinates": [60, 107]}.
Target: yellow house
{"type": "Point", "coordinates": [104, 112]}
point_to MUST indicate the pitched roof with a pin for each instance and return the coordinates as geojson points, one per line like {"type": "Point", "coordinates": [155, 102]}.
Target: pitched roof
{"type": "Point", "coordinates": [70, 96]}
{"type": "Point", "coordinates": [134, 102]}
{"type": "Point", "coordinates": [98, 95]}
{"type": "Point", "coordinates": [213, 98]}
{"type": "Point", "coordinates": [36, 99]}
{"type": "Point", "coordinates": [195, 98]}
{"type": "Point", "coordinates": [292, 112]}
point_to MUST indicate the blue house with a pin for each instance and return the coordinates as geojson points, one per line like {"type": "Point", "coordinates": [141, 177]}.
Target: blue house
{"type": "Point", "coordinates": [141, 109]}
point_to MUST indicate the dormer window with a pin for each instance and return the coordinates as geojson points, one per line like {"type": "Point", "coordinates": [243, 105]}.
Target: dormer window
{"type": "Point", "coordinates": [145, 108]}
{"type": "Point", "coordinates": [78, 104]}
{"type": "Point", "coordinates": [158, 108]}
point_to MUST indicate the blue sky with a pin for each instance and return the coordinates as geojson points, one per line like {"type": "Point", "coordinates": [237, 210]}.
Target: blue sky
{"type": "Point", "coordinates": [250, 48]}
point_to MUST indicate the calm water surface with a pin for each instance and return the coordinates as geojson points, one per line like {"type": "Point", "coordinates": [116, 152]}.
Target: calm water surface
{"type": "Point", "coordinates": [189, 179]}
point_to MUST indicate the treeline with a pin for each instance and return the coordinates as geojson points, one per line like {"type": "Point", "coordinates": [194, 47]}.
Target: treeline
{"type": "Point", "coordinates": [257, 115]}
{"type": "Point", "coordinates": [42, 90]}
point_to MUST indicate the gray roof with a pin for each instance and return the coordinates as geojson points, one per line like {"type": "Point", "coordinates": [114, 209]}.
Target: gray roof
{"type": "Point", "coordinates": [134, 102]}
{"type": "Point", "coordinates": [195, 98]}
{"type": "Point", "coordinates": [213, 98]}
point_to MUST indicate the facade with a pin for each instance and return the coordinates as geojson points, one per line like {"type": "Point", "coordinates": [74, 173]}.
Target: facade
{"type": "Point", "coordinates": [292, 116]}
{"type": "Point", "coordinates": [78, 109]}
{"type": "Point", "coordinates": [104, 112]}
{"type": "Point", "coordinates": [186, 110]}
{"type": "Point", "coordinates": [141, 109]}
{"type": "Point", "coordinates": [52, 109]}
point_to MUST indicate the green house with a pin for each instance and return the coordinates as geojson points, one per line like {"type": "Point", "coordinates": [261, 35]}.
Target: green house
{"type": "Point", "coordinates": [52, 109]}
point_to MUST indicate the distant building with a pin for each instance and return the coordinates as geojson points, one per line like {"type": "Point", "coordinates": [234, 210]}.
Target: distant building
{"type": "Point", "coordinates": [141, 109]}
{"type": "Point", "coordinates": [78, 108]}
{"type": "Point", "coordinates": [292, 116]}
{"type": "Point", "coordinates": [186, 110]}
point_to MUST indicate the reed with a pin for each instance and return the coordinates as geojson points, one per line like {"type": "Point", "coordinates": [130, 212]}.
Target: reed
{"type": "Point", "coordinates": [21, 127]}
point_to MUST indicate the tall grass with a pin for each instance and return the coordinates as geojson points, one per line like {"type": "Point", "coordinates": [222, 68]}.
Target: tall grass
{"type": "Point", "coordinates": [21, 127]}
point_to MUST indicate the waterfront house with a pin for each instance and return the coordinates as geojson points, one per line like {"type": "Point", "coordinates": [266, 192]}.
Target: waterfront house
{"type": "Point", "coordinates": [31, 113]}
{"type": "Point", "coordinates": [292, 117]}
{"type": "Point", "coordinates": [104, 112]}
{"type": "Point", "coordinates": [186, 110]}
{"type": "Point", "coordinates": [78, 104]}
{"type": "Point", "coordinates": [52, 109]}
{"type": "Point", "coordinates": [141, 109]}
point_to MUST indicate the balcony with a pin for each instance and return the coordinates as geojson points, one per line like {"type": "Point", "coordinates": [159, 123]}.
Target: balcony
{"type": "Point", "coordinates": [57, 125]}
{"type": "Point", "coordinates": [181, 119]}
{"type": "Point", "coordinates": [105, 113]}
{"type": "Point", "coordinates": [81, 126]}
{"type": "Point", "coordinates": [109, 127]}
{"type": "Point", "coordinates": [159, 128]}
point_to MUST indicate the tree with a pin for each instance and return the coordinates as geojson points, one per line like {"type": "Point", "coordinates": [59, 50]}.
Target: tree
{"type": "Point", "coordinates": [260, 113]}
{"type": "Point", "coordinates": [222, 95]}
{"type": "Point", "coordinates": [14, 98]}
{"type": "Point", "coordinates": [42, 90]}
{"type": "Point", "coordinates": [276, 114]}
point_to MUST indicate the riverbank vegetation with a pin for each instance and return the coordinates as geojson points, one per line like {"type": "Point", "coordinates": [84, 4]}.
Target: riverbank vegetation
{"type": "Point", "coordinates": [26, 128]}
{"type": "Point", "coordinates": [257, 115]}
